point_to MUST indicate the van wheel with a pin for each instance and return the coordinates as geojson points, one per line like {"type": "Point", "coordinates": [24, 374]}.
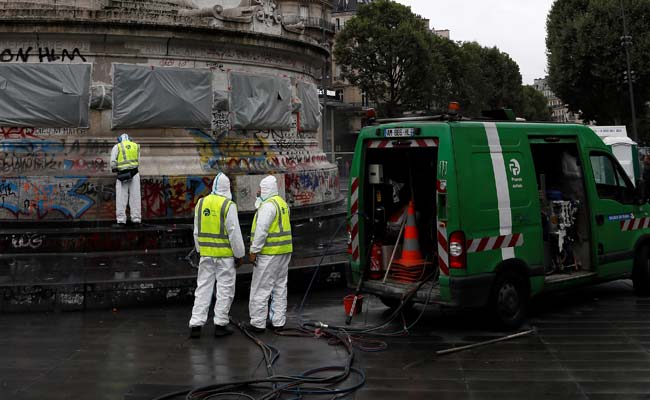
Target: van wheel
{"type": "Point", "coordinates": [393, 303]}
{"type": "Point", "coordinates": [508, 301]}
{"type": "Point", "coordinates": [641, 272]}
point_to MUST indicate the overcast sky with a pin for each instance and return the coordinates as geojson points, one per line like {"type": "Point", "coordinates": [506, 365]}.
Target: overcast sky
{"type": "Point", "coordinates": [517, 27]}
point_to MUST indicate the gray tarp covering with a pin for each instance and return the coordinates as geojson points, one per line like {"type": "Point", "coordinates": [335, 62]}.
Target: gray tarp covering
{"type": "Point", "coordinates": [45, 95]}
{"type": "Point", "coordinates": [296, 105]}
{"type": "Point", "coordinates": [101, 97]}
{"type": "Point", "coordinates": [310, 114]}
{"type": "Point", "coordinates": [146, 97]}
{"type": "Point", "coordinates": [260, 101]}
{"type": "Point", "coordinates": [220, 101]}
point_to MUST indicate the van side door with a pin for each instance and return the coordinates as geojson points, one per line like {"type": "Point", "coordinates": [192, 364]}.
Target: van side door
{"type": "Point", "coordinates": [617, 216]}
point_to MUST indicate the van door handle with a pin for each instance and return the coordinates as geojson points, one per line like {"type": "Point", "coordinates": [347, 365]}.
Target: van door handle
{"type": "Point", "coordinates": [600, 219]}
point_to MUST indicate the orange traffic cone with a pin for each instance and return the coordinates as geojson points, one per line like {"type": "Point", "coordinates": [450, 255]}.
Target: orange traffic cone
{"type": "Point", "coordinates": [411, 265]}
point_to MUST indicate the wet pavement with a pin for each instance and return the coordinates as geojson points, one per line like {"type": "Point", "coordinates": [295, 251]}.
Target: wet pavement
{"type": "Point", "coordinates": [590, 344]}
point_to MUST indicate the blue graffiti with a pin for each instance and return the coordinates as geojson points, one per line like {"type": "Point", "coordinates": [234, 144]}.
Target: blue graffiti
{"type": "Point", "coordinates": [309, 181]}
{"type": "Point", "coordinates": [8, 196]}
{"type": "Point", "coordinates": [31, 146]}
{"type": "Point", "coordinates": [45, 194]}
{"type": "Point", "coordinates": [212, 147]}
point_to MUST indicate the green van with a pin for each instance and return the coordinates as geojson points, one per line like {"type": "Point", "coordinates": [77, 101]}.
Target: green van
{"type": "Point", "coordinates": [504, 211]}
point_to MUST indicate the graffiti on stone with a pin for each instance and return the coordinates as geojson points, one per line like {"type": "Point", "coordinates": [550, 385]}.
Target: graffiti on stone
{"type": "Point", "coordinates": [27, 240]}
{"type": "Point", "coordinates": [19, 156]}
{"type": "Point", "coordinates": [308, 187]}
{"type": "Point", "coordinates": [42, 54]}
{"type": "Point", "coordinates": [17, 133]}
{"type": "Point", "coordinates": [173, 196]}
{"type": "Point", "coordinates": [215, 65]}
{"type": "Point", "coordinates": [220, 122]}
{"type": "Point", "coordinates": [39, 196]}
{"type": "Point", "coordinates": [245, 190]}
{"type": "Point", "coordinates": [27, 133]}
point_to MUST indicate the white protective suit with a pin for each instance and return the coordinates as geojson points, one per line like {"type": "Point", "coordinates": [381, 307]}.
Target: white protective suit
{"type": "Point", "coordinates": [127, 192]}
{"type": "Point", "coordinates": [270, 273]}
{"type": "Point", "coordinates": [219, 269]}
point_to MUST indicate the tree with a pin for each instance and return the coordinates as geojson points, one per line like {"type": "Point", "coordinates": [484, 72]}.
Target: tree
{"type": "Point", "coordinates": [479, 78]}
{"type": "Point", "coordinates": [534, 105]}
{"type": "Point", "coordinates": [586, 60]}
{"type": "Point", "coordinates": [386, 51]}
{"type": "Point", "coordinates": [389, 53]}
{"type": "Point", "coordinates": [488, 79]}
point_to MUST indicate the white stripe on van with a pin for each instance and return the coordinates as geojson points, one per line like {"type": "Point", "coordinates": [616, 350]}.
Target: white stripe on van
{"type": "Point", "coordinates": [501, 180]}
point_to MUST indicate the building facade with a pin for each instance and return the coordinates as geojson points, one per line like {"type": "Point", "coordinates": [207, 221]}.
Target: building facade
{"type": "Point", "coordinates": [559, 111]}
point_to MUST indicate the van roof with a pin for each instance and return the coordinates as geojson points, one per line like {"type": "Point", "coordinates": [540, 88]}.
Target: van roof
{"type": "Point", "coordinates": [429, 126]}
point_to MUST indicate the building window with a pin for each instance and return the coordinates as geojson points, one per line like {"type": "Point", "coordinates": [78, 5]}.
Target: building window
{"type": "Point", "coordinates": [338, 24]}
{"type": "Point", "coordinates": [304, 12]}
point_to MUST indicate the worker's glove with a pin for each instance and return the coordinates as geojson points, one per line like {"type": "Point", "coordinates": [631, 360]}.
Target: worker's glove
{"type": "Point", "coordinates": [239, 262]}
{"type": "Point", "coordinates": [252, 258]}
{"type": "Point", "coordinates": [114, 170]}
{"type": "Point", "coordinates": [193, 258]}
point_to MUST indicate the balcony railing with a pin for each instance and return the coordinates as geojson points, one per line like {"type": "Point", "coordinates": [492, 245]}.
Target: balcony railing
{"type": "Point", "coordinates": [310, 22]}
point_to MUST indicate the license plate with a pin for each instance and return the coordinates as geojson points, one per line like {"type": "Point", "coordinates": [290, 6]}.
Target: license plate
{"type": "Point", "coordinates": [399, 132]}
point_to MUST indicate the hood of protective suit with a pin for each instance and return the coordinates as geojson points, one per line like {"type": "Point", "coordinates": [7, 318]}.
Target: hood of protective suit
{"type": "Point", "coordinates": [268, 187]}
{"type": "Point", "coordinates": [221, 186]}
{"type": "Point", "coordinates": [123, 137]}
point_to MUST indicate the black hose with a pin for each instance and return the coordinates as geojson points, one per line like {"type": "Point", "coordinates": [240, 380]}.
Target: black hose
{"type": "Point", "coordinates": [376, 330]}
{"type": "Point", "coordinates": [313, 278]}
{"type": "Point", "coordinates": [305, 383]}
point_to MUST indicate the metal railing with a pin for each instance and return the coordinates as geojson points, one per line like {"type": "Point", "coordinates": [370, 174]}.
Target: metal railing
{"type": "Point", "coordinates": [310, 22]}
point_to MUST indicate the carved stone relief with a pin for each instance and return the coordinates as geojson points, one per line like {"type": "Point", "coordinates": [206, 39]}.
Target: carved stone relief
{"type": "Point", "coordinates": [265, 11]}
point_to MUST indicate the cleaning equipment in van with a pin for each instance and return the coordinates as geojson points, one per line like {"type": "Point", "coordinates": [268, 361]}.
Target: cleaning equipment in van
{"type": "Point", "coordinates": [375, 261]}
{"type": "Point", "coordinates": [392, 256]}
{"type": "Point", "coordinates": [562, 228]}
{"type": "Point", "coordinates": [411, 266]}
{"type": "Point", "coordinates": [357, 292]}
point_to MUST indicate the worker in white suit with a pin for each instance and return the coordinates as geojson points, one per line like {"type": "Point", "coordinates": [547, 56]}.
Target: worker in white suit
{"type": "Point", "coordinates": [125, 160]}
{"type": "Point", "coordinates": [270, 253]}
{"type": "Point", "coordinates": [218, 240]}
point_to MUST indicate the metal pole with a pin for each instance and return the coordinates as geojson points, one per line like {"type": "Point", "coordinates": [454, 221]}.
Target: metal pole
{"type": "Point", "coordinates": [323, 77]}
{"type": "Point", "coordinates": [332, 139]}
{"type": "Point", "coordinates": [472, 346]}
{"type": "Point", "coordinates": [626, 43]}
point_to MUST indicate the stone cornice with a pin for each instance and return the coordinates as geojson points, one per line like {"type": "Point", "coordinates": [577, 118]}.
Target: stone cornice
{"type": "Point", "coordinates": [102, 22]}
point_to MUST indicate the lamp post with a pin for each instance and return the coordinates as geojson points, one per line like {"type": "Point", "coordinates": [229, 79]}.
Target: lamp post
{"type": "Point", "coordinates": [324, 79]}
{"type": "Point", "coordinates": [626, 42]}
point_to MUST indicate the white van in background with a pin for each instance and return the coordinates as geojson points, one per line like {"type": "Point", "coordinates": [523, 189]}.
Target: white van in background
{"type": "Point", "coordinates": [625, 149]}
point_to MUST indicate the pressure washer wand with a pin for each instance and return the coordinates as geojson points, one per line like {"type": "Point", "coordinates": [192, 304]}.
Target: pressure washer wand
{"type": "Point", "coordinates": [348, 319]}
{"type": "Point", "coordinates": [190, 258]}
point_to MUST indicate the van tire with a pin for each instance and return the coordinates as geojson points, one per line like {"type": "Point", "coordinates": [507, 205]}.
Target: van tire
{"type": "Point", "coordinates": [508, 300]}
{"type": "Point", "coordinates": [641, 272]}
{"type": "Point", "coordinates": [393, 303]}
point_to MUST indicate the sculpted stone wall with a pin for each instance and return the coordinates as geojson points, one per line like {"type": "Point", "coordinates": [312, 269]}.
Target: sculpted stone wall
{"type": "Point", "coordinates": [54, 173]}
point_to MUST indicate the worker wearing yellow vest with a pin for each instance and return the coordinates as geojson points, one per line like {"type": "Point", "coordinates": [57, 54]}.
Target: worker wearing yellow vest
{"type": "Point", "coordinates": [125, 160]}
{"type": "Point", "coordinates": [218, 239]}
{"type": "Point", "coordinates": [270, 253]}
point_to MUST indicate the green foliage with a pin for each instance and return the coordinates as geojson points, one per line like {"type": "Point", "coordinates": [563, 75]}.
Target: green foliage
{"type": "Point", "coordinates": [587, 61]}
{"type": "Point", "coordinates": [534, 105]}
{"type": "Point", "coordinates": [385, 50]}
{"type": "Point", "coordinates": [478, 77]}
{"type": "Point", "coordinates": [389, 53]}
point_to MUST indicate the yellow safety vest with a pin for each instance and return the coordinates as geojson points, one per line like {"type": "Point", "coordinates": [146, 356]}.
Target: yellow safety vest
{"type": "Point", "coordinates": [213, 237]}
{"type": "Point", "coordinates": [278, 240]}
{"type": "Point", "coordinates": [127, 155]}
